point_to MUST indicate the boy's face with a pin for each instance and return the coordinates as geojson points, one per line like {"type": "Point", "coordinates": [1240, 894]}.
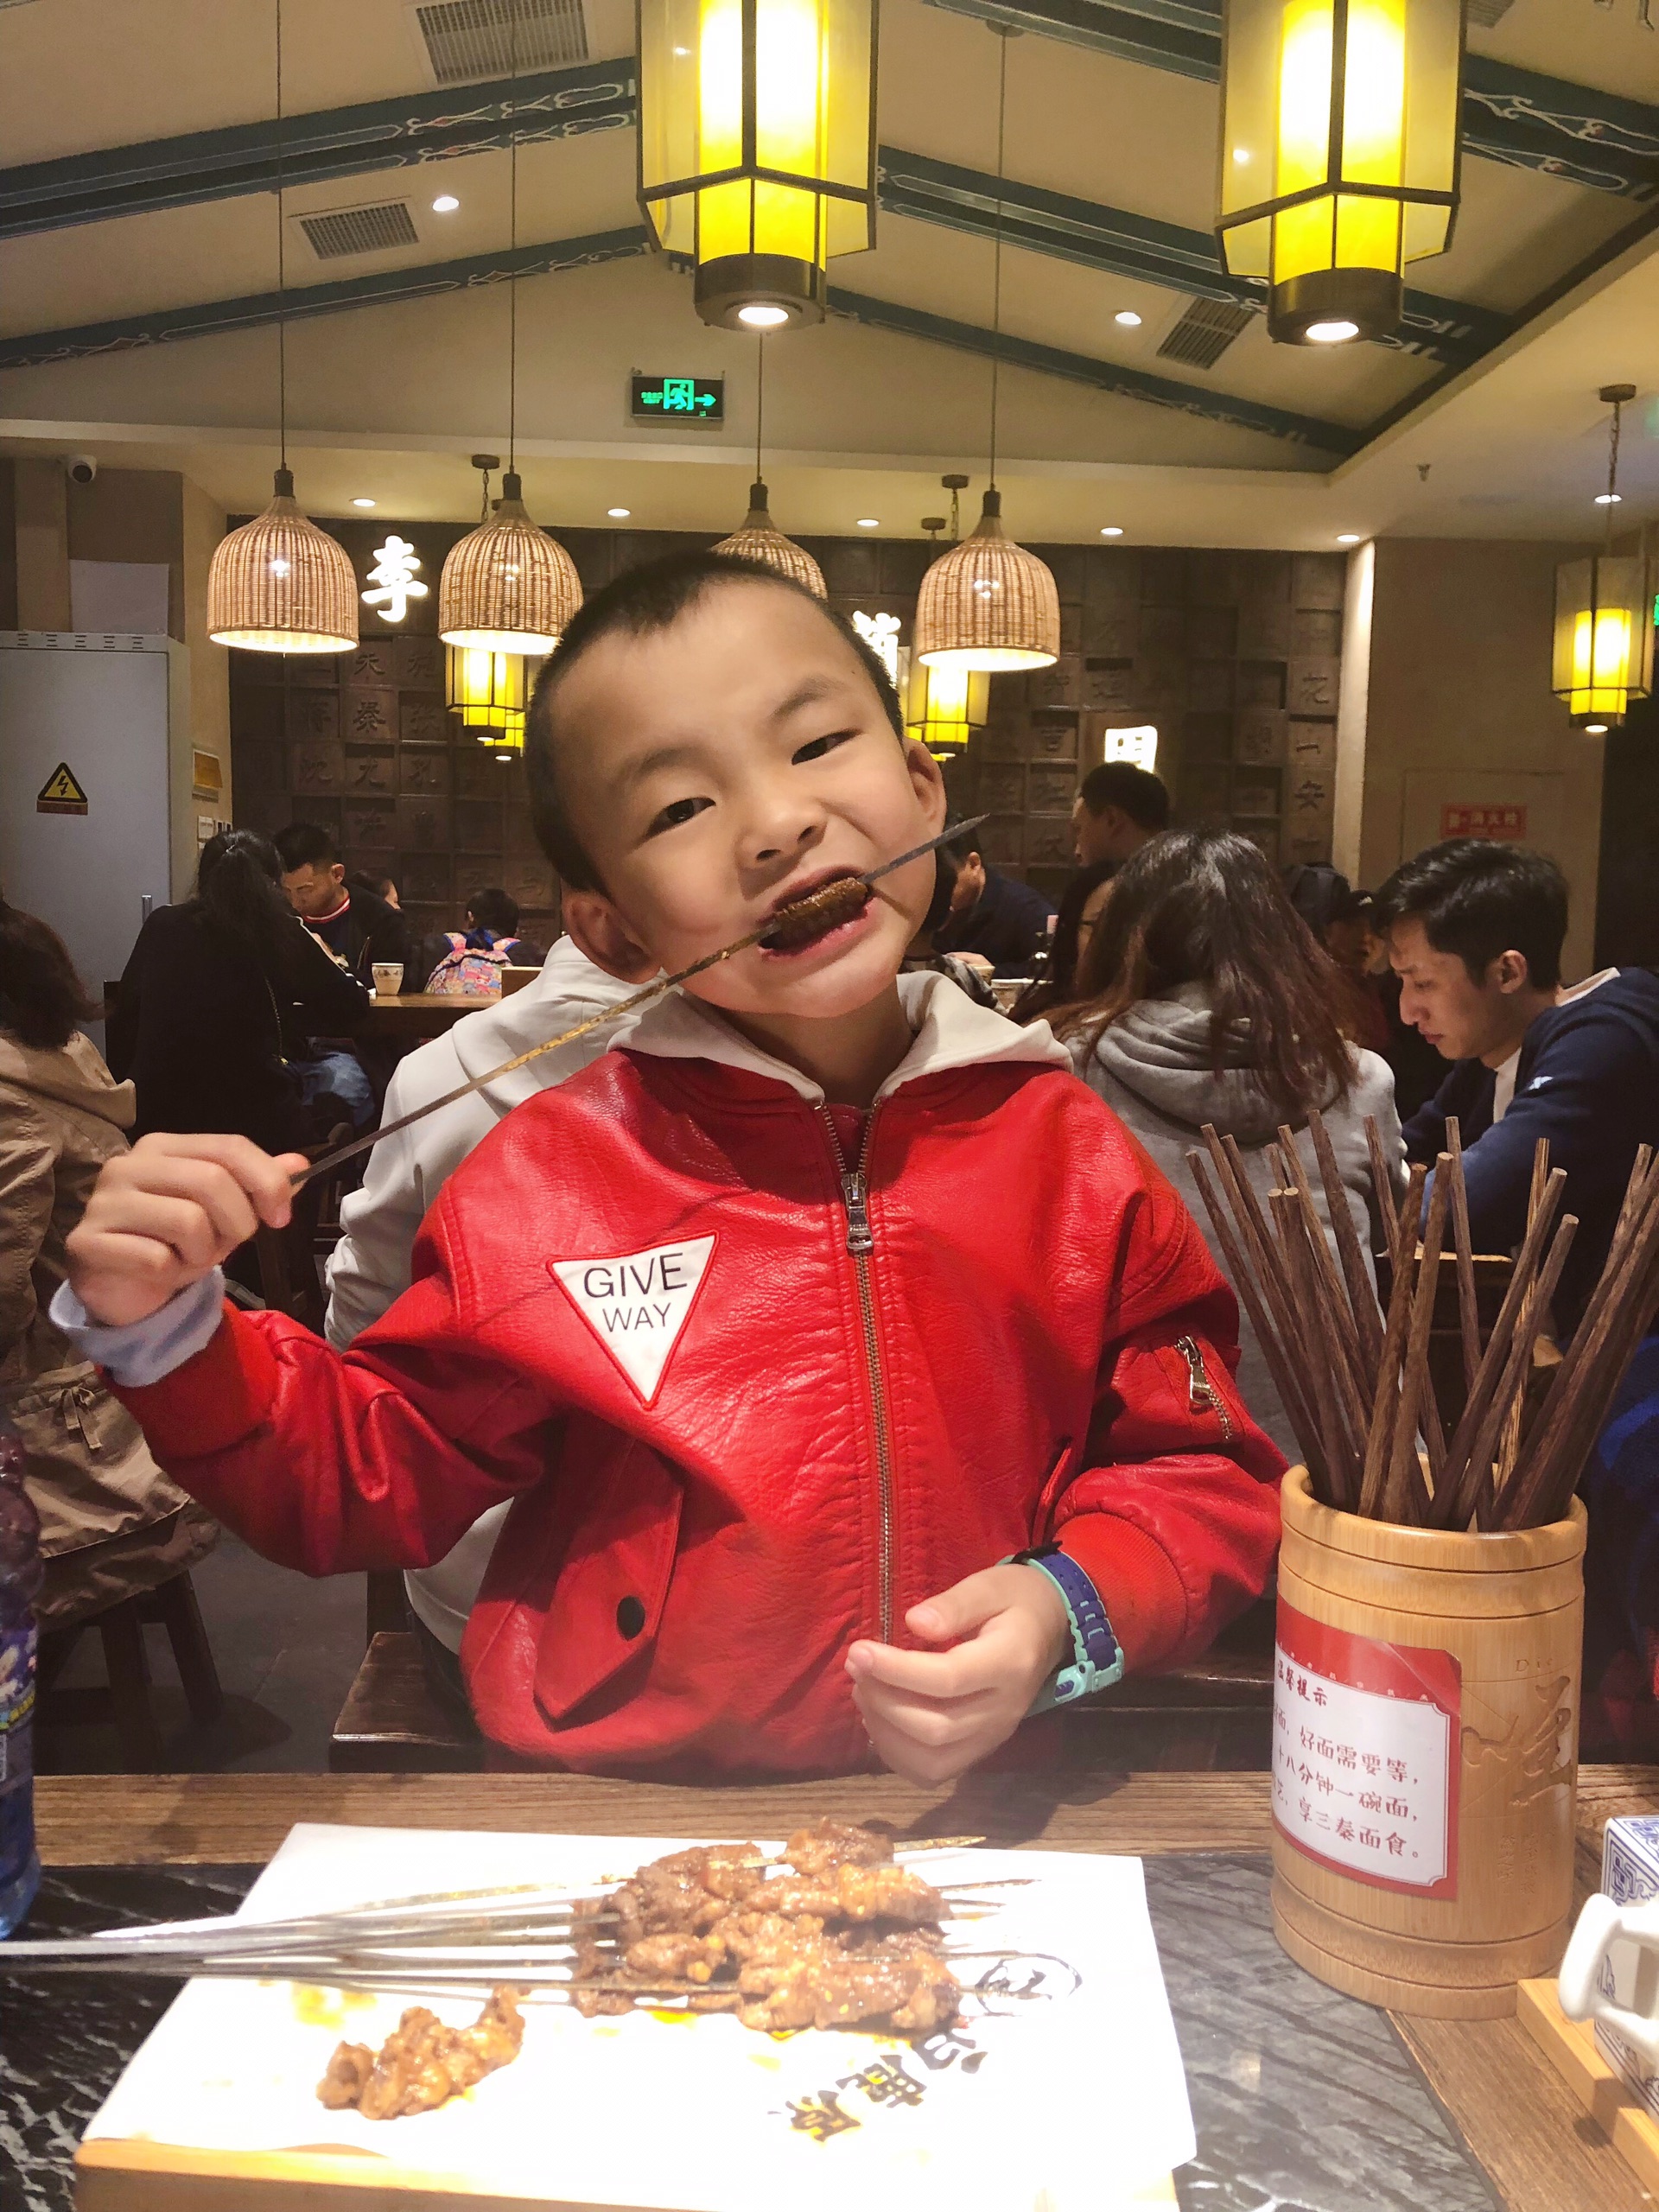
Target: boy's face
{"type": "Point", "coordinates": [718, 768]}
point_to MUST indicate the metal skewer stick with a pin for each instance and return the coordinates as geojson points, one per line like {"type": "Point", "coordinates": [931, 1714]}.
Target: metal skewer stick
{"type": "Point", "coordinates": [640, 998]}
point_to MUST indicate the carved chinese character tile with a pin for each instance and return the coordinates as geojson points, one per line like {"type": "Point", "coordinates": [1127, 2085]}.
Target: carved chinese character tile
{"type": "Point", "coordinates": [313, 714]}
{"type": "Point", "coordinates": [422, 771]}
{"type": "Point", "coordinates": [369, 717]}
{"type": "Point", "coordinates": [423, 825]}
{"type": "Point", "coordinates": [315, 768]}
{"type": "Point", "coordinates": [1311, 685]}
{"type": "Point", "coordinates": [419, 663]}
{"type": "Point", "coordinates": [369, 827]}
{"type": "Point", "coordinates": [422, 722]}
{"type": "Point", "coordinates": [1051, 790]}
{"type": "Point", "coordinates": [478, 825]}
{"type": "Point", "coordinates": [370, 769]}
{"type": "Point", "coordinates": [373, 663]}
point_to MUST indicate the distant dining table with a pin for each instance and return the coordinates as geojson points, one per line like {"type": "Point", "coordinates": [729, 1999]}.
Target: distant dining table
{"type": "Point", "coordinates": [413, 1016]}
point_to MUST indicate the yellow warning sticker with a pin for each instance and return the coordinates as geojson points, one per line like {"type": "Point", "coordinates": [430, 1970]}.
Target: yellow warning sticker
{"type": "Point", "coordinates": [62, 792]}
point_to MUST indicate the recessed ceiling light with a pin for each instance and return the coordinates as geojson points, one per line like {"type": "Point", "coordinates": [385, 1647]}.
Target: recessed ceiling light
{"type": "Point", "coordinates": [759, 316]}
{"type": "Point", "coordinates": [445, 204]}
{"type": "Point", "coordinates": [1610, 498]}
{"type": "Point", "coordinates": [1113, 530]}
{"type": "Point", "coordinates": [362, 503]}
{"type": "Point", "coordinates": [869, 522]}
{"type": "Point", "coordinates": [1595, 729]}
{"type": "Point", "coordinates": [1129, 318]}
{"type": "Point", "coordinates": [1348, 537]}
{"type": "Point", "coordinates": [619, 514]}
{"type": "Point", "coordinates": [1331, 334]}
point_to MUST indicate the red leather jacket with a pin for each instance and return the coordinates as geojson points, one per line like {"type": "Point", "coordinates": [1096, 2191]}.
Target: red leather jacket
{"type": "Point", "coordinates": [754, 1399]}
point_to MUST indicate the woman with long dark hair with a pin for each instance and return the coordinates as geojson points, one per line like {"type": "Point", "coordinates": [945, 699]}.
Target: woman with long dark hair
{"type": "Point", "coordinates": [221, 995]}
{"type": "Point", "coordinates": [1204, 999]}
{"type": "Point", "coordinates": [1081, 903]}
{"type": "Point", "coordinates": [112, 1525]}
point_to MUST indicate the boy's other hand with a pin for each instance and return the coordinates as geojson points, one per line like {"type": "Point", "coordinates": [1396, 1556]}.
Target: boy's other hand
{"type": "Point", "coordinates": [166, 1213]}
{"type": "Point", "coordinates": [933, 1715]}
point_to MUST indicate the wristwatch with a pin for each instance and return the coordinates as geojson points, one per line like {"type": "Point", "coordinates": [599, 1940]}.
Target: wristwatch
{"type": "Point", "coordinates": [1098, 1661]}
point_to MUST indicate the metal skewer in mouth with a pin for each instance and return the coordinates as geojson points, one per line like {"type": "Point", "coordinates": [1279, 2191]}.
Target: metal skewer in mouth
{"type": "Point", "coordinates": [835, 899]}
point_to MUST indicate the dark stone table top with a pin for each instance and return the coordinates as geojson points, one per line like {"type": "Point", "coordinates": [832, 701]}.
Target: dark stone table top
{"type": "Point", "coordinates": [1304, 2100]}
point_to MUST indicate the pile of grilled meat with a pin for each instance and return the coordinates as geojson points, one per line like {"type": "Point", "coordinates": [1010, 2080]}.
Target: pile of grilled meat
{"type": "Point", "coordinates": [423, 2063]}
{"type": "Point", "coordinates": [847, 1940]}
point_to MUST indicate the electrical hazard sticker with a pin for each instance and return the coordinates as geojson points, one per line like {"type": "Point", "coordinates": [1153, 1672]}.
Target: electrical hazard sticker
{"type": "Point", "coordinates": [637, 1305]}
{"type": "Point", "coordinates": [62, 792]}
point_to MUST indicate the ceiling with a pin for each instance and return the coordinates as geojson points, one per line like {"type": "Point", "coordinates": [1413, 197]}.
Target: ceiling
{"type": "Point", "coordinates": [139, 244]}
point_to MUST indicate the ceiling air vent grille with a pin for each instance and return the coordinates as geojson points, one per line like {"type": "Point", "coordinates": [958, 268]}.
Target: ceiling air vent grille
{"type": "Point", "coordinates": [375, 229]}
{"type": "Point", "coordinates": [466, 39]}
{"type": "Point", "coordinates": [1485, 15]}
{"type": "Point", "coordinates": [1205, 333]}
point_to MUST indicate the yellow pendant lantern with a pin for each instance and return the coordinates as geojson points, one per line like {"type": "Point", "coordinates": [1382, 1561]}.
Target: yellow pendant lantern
{"type": "Point", "coordinates": [757, 147]}
{"type": "Point", "coordinates": [489, 694]}
{"type": "Point", "coordinates": [1603, 656]}
{"type": "Point", "coordinates": [280, 585]}
{"type": "Point", "coordinates": [1340, 132]}
{"type": "Point", "coordinates": [945, 706]}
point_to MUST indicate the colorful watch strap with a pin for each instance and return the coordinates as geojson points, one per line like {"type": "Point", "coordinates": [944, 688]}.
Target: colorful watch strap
{"type": "Point", "coordinates": [1098, 1661]}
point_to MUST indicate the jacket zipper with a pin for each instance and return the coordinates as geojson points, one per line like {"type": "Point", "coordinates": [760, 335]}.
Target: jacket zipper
{"type": "Point", "coordinates": [861, 1244]}
{"type": "Point", "coordinates": [1201, 1393]}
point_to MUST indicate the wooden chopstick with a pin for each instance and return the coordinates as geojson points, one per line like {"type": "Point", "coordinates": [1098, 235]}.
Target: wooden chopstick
{"type": "Point", "coordinates": [1468, 1311]}
{"type": "Point", "coordinates": [1385, 1408]}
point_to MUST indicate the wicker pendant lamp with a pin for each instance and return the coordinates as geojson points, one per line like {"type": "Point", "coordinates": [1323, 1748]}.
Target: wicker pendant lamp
{"type": "Point", "coordinates": [988, 604]}
{"type": "Point", "coordinates": [760, 537]}
{"type": "Point", "coordinates": [279, 584]}
{"type": "Point", "coordinates": [507, 587]}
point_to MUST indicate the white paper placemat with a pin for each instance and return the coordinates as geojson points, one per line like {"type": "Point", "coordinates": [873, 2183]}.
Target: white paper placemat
{"type": "Point", "coordinates": [1069, 2096]}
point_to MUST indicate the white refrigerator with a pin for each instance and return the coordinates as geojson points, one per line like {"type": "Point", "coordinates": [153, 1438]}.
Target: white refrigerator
{"type": "Point", "coordinates": [98, 818]}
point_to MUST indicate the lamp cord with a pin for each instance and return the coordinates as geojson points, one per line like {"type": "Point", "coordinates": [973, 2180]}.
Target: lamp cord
{"type": "Point", "coordinates": [1612, 473]}
{"type": "Point", "coordinates": [512, 233]}
{"type": "Point", "coordinates": [759, 398]}
{"type": "Point", "coordinates": [996, 284]}
{"type": "Point", "coordinates": [282, 261]}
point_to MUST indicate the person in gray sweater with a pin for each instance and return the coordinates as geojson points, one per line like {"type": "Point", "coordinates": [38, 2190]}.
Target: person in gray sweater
{"type": "Point", "coordinates": [1205, 999]}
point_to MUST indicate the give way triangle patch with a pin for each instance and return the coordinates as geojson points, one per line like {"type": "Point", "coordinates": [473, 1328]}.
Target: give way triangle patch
{"type": "Point", "coordinates": [637, 1305]}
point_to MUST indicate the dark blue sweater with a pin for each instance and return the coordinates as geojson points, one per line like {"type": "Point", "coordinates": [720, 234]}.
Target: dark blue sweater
{"type": "Point", "coordinates": [1589, 1081]}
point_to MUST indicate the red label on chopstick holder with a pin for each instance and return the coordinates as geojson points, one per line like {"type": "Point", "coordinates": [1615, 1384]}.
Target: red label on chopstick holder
{"type": "Point", "coordinates": [1365, 1740]}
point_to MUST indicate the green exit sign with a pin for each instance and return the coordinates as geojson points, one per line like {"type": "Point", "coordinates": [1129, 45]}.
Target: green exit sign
{"type": "Point", "coordinates": [676, 399]}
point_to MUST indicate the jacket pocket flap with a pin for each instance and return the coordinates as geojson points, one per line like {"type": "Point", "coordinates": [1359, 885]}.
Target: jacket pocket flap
{"type": "Point", "coordinates": [608, 1602]}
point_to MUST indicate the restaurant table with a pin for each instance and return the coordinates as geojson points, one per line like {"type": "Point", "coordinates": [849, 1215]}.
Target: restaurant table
{"type": "Point", "coordinates": [415, 1016]}
{"type": "Point", "coordinates": [1304, 2101]}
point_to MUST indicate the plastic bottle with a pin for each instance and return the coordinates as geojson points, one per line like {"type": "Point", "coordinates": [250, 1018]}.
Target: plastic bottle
{"type": "Point", "coordinates": [20, 1583]}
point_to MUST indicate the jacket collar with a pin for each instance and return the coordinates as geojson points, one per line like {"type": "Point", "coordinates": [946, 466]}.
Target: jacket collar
{"type": "Point", "coordinates": [949, 1031]}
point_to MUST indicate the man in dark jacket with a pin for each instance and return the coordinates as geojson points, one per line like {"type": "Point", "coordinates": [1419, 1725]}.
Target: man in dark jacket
{"type": "Point", "coordinates": [356, 926]}
{"type": "Point", "coordinates": [1004, 921]}
{"type": "Point", "coordinates": [1475, 931]}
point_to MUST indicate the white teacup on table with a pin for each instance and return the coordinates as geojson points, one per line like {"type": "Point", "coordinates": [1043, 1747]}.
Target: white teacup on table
{"type": "Point", "coordinates": [1614, 1954]}
{"type": "Point", "coordinates": [388, 978]}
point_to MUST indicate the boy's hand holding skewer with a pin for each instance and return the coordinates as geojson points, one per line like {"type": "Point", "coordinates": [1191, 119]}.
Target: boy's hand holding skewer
{"type": "Point", "coordinates": [931, 1715]}
{"type": "Point", "coordinates": [169, 1212]}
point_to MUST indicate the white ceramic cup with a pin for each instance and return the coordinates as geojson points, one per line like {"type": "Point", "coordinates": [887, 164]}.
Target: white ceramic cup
{"type": "Point", "coordinates": [1601, 1924]}
{"type": "Point", "coordinates": [388, 978]}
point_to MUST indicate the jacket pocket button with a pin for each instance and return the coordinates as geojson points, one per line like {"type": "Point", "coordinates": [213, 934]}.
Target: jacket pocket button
{"type": "Point", "coordinates": [630, 1617]}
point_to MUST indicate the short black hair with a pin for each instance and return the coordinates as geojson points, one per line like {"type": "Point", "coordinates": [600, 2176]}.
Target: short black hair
{"type": "Point", "coordinates": [638, 604]}
{"type": "Point", "coordinates": [494, 909]}
{"type": "Point", "coordinates": [1142, 796]}
{"type": "Point", "coordinates": [305, 844]}
{"type": "Point", "coordinates": [1477, 898]}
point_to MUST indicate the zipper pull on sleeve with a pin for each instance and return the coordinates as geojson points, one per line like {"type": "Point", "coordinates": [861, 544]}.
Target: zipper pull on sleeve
{"type": "Point", "coordinates": [856, 1194]}
{"type": "Point", "coordinates": [1202, 1395]}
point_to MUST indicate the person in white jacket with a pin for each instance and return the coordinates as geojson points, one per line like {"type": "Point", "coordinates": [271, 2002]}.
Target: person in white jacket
{"type": "Point", "coordinates": [371, 1264]}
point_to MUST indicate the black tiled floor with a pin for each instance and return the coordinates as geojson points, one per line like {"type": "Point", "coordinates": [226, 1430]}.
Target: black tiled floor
{"type": "Point", "coordinates": [287, 1649]}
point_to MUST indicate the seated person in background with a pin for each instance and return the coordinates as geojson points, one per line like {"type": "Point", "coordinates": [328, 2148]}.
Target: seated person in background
{"type": "Point", "coordinates": [971, 977]}
{"type": "Point", "coordinates": [372, 1264]}
{"type": "Point", "coordinates": [1117, 808]}
{"type": "Point", "coordinates": [112, 1526]}
{"type": "Point", "coordinates": [358, 928]}
{"type": "Point", "coordinates": [470, 964]}
{"type": "Point", "coordinates": [378, 887]}
{"type": "Point", "coordinates": [212, 1017]}
{"type": "Point", "coordinates": [1081, 903]}
{"type": "Point", "coordinates": [682, 1308]}
{"type": "Point", "coordinates": [1203, 999]}
{"type": "Point", "coordinates": [1004, 921]}
{"type": "Point", "coordinates": [1475, 933]}
{"type": "Point", "coordinates": [1334, 912]}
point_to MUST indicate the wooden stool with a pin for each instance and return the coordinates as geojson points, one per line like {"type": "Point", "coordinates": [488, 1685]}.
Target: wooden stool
{"type": "Point", "coordinates": [124, 1699]}
{"type": "Point", "coordinates": [393, 1722]}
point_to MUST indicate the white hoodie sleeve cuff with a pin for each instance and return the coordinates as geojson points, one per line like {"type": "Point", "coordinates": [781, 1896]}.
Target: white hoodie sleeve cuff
{"type": "Point", "coordinates": [141, 1352]}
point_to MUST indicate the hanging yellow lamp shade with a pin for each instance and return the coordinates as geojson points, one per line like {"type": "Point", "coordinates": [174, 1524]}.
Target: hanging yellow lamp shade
{"type": "Point", "coordinates": [760, 539]}
{"type": "Point", "coordinates": [757, 147]}
{"type": "Point", "coordinates": [1340, 130]}
{"type": "Point", "coordinates": [488, 694]}
{"type": "Point", "coordinates": [1603, 656]}
{"type": "Point", "coordinates": [945, 706]}
{"type": "Point", "coordinates": [988, 604]}
{"type": "Point", "coordinates": [507, 587]}
{"type": "Point", "coordinates": [280, 585]}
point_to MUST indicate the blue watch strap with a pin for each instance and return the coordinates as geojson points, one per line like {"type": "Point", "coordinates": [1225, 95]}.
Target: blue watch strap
{"type": "Point", "coordinates": [1098, 1658]}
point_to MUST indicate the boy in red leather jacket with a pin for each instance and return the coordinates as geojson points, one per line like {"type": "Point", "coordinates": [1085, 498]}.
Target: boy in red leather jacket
{"type": "Point", "coordinates": [786, 1325]}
